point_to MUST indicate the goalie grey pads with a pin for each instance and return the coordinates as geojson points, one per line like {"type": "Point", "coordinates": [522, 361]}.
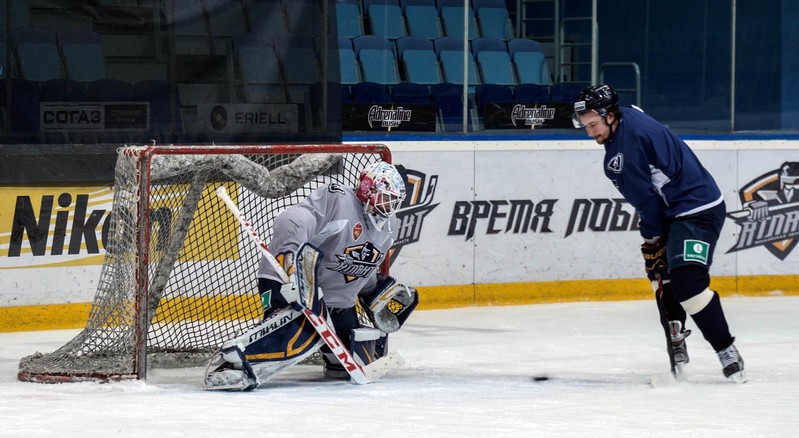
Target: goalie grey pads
{"type": "Point", "coordinates": [390, 304]}
{"type": "Point", "coordinates": [281, 340]}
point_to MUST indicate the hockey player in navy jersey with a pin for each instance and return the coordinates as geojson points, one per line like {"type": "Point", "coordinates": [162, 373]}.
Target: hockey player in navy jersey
{"type": "Point", "coordinates": [681, 212]}
{"type": "Point", "coordinates": [352, 230]}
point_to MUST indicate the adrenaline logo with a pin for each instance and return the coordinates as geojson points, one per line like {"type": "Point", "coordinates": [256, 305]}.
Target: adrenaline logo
{"type": "Point", "coordinates": [532, 116]}
{"type": "Point", "coordinates": [388, 118]}
{"type": "Point", "coordinates": [358, 261]}
{"type": "Point", "coordinates": [770, 217]}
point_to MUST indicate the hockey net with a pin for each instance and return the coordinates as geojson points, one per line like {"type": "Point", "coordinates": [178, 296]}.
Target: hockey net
{"type": "Point", "coordinates": [178, 278]}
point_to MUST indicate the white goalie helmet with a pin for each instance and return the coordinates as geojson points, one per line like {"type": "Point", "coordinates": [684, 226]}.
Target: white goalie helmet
{"type": "Point", "coordinates": [381, 189]}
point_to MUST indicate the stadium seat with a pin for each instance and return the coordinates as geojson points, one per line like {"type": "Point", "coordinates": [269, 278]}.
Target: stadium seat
{"type": "Point", "coordinates": [258, 68]}
{"type": "Point", "coordinates": [566, 91]}
{"type": "Point", "coordinates": [377, 59]}
{"type": "Point", "coordinates": [82, 54]}
{"type": "Point", "coordinates": [422, 20]}
{"type": "Point", "coordinates": [385, 18]}
{"type": "Point", "coordinates": [110, 90]}
{"type": "Point", "coordinates": [452, 19]}
{"type": "Point", "coordinates": [487, 94]}
{"type": "Point", "coordinates": [529, 93]}
{"type": "Point", "coordinates": [349, 18]}
{"type": "Point", "coordinates": [447, 98]}
{"type": "Point", "coordinates": [25, 101]}
{"type": "Point", "coordinates": [265, 17]}
{"type": "Point", "coordinates": [350, 71]}
{"type": "Point", "coordinates": [450, 56]}
{"type": "Point", "coordinates": [225, 19]}
{"type": "Point", "coordinates": [419, 60]}
{"type": "Point", "coordinates": [529, 61]}
{"type": "Point", "coordinates": [494, 22]}
{"type": "Point", "coordinates": [493, 61]}
{"type": "Point", "coordinates": [410, 93]}
{"type": "Point", "coordinates": [371, 92]}
{"type": "Point", "coordinates": [158, 93]}
{"type": "Point", "coordinates": [191, 31]}
{"type": "Point", "coordinates": [64, 90]}
{"type": "Point", "coordinates": [36, 54]}
{"type": "Point", "coordinates": [303, 17]}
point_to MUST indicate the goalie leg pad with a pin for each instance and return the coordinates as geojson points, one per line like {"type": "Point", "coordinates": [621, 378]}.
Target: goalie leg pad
{"type": "Point", "coordinates": [390, 304]}
{"type": "Point", "coordinates": [282, 339]}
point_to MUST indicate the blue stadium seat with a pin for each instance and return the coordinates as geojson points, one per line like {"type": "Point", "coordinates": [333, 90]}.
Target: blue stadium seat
{"type": "Point", "coordinates": [447, 98]}
{"type": "Point", "coordinates": [450, 56]}
{"type": "Point", "coordinates": [36, 54]}
{"type": "Point", "coordinates": [258, 68]}
{"type": "Point", "coordinates": [452, 21]}
{"type": "Point", "coordinates": [385, 19]}
{"type": "Point", "coordinates": [566, 91]}
{"type": "Point", "coordinates": [265, 17]}
{"type": "Point", "coordinates": [419, 60]}
{"type": "Point", "coordinates": [25, 102]}
{"type": "Point", "coordinates": [191, 30]}
{"type": "Point", "coordinates": [371, 92]}
{"type": "Point", "coordinates": [225, 19]}
{"type": "Point", "coordinates": [64, 90]}
{"type": "Point", "coordinates": [303, 16]}
{"type": "Point", "coordinates": [350, 71]}
{"type": "Point", "coordinates": [493, 61]}
{"type": "Point", "coordinates": [82, 54]}
{"type": "Point", "coordinates": [486, 94]}
{"type": "Point", "coordinates": [158, 94]}
{"type": "Point", "coordinates": [349, 18]}
{"type": "Point", "coordinates": [409, 93]}
{"type": "Point", "coordinates": [110, 90]}
{"type": "Point", "coordinates": [529, 61]}
{"type": "Point", "coordinates": [377, 59]}
{"type": "Point", "coordinates": [529, 93]}
{"type": "Point", "coordinates": [423, 20]}
{"type": "Point", "coordinates": [494, 22]}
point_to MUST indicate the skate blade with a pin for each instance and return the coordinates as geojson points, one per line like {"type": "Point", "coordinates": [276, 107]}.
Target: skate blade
{"type": "Point", "coordinates": [739, 377]}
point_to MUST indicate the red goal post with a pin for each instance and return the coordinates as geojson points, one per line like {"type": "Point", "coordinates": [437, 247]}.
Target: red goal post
{"type": "Point", "coordinates": [178, 278]}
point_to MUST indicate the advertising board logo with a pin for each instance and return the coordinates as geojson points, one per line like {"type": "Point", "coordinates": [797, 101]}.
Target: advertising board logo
{"type": "Point", "coordinates": [388, 118]}
{"type": "Point", "coordinates": [535, 116]}
{"type": "Point", "coordinates": [421, 190]}
{"type": "Point", "coordinates": [770, 217]}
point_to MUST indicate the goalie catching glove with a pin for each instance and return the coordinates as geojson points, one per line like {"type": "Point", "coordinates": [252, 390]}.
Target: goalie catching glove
{"type": "Point", "coordinates": [390, 304]}
{"type": "Point", "coordinates": [655, 261]}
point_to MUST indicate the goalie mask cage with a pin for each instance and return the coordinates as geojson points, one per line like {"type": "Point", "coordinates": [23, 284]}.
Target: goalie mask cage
{"type": "Point", "coordinates": [178, 278]}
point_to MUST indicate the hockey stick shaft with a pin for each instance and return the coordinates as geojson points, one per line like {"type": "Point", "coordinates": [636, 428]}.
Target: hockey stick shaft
{"type": "Point", "coordinates": [222, 193]}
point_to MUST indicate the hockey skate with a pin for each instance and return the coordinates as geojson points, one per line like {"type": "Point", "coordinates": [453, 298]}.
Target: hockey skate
{"type": "Point", "coordinates": [732, 364]}
{"type": "Point", "coordinates": [678, 351]}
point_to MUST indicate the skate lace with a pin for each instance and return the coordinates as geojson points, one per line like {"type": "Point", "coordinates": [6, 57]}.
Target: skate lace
{"type": "Point", "coordinates": [728, 356]}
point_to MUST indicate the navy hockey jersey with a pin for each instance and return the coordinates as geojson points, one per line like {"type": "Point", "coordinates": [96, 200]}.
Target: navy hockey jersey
{"type": "Point", "coordinates": [656, 172]}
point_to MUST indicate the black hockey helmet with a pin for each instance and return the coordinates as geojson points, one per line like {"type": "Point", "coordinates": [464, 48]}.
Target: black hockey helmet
{"type": "Point", "coordinates": [599, 98]}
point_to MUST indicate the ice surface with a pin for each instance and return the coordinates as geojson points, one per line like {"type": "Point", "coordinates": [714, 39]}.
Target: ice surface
{"type": "Point", "coordinates": [468, 372]}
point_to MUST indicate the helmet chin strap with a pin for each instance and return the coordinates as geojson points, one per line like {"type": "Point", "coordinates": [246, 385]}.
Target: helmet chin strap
{"type": "Point", "coordinates": [611, 131]}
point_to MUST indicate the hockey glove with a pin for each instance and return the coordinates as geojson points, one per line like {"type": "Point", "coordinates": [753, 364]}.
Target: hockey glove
{"type": "Point", "coordinates": [655, 262]}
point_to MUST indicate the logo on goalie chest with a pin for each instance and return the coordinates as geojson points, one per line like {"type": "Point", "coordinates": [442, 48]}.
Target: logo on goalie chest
{"type": "Point", "coordinates": [357, 230]}
{"type": "Point", "coordinates": [358, 261]}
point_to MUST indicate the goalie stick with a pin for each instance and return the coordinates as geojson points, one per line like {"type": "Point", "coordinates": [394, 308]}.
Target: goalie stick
{"type": "Point", "coordinates": [359, 373]}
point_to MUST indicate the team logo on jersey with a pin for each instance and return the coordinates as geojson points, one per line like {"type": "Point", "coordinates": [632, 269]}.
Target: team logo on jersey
{"type": "Point", "coordinates": [357, 230]}
{"type": "Point", "coordinates": [770, 217]}
{"type": "Point", "coordinates": [358, 261]}
{"type": "Point", "coordinates": [616, 163]}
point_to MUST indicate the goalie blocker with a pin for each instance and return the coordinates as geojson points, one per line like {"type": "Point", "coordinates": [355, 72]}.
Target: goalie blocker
{"type": "Point", "coordinates": [286, 335]}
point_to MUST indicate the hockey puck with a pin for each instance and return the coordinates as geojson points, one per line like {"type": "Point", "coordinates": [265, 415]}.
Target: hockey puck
{"type": "Point", "coordinates": [540, 378]}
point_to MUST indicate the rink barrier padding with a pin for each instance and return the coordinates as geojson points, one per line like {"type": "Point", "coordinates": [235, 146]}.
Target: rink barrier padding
{"type": "Point", "coordinates": [73, 316]}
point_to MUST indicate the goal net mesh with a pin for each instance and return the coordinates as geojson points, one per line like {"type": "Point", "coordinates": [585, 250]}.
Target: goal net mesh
{"type": "Point", "coordinates": [178, 277]}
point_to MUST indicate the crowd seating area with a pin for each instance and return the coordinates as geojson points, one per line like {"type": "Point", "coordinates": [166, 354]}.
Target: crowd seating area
{"type": "Point", "coordinates": [265, 51]}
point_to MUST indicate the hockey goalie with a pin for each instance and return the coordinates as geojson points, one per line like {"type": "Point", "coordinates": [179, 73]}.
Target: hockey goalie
{"type": "Point", "coordinates": [322, 290]}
